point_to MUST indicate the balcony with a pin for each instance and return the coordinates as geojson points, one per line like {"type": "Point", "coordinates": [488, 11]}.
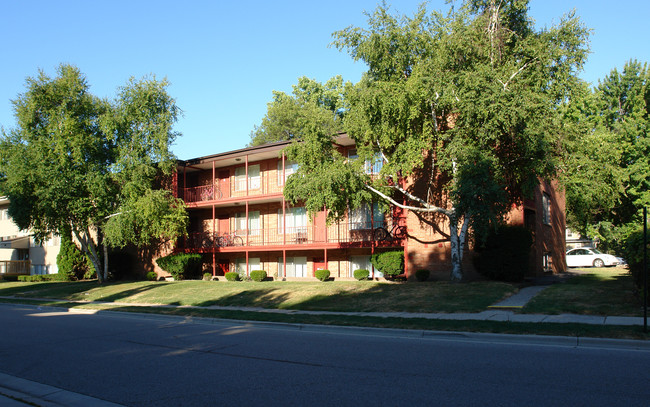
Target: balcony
{"type": "Point", "coordinates": [14, 267]}
{"type": "Point", "coordinates": [337, 235]}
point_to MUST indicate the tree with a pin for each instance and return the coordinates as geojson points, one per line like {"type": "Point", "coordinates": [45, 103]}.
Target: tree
{"type": "Point", "coordinates": [464, 108]}
{"type": "Point", "coordinates": [91, 166]}
{"type": "Point", "coordinates": [607, 167]}
{"type": "Point", "coordinates": [288, 116]}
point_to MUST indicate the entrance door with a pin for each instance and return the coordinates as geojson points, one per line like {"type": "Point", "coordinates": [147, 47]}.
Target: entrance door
{"type": "Point", "coordinates": [223, 267]}
{"type": "Point", "coordinates": [224, 183]}
{"type": "Point", "coordinates": [320, 231]}
{"type": "Point", "coordinates": [319, 264]}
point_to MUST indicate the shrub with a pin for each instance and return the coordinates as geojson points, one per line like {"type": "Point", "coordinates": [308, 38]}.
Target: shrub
{"type": "Point", "coordinates": [9, 277]}
{"type": "Point", "coordinates": [258, 275]}
{"type": "Point", "coordinates": [180, 265]}
{"type": "Point", "coordinates": [633, 252]}
{"type": "Point", "coordinates": [151, 276]}
{"type": "Point", "coordinates": [361, 274]}
{"type": "Point", "coordinates": [505, 255]}
{"type": "Point", "coordinates": [322, 274]}
{"type": "Point", "coordinates": [391, 264]}
{"type": "Point", "coordinates": [39, 277]}
{"type": "Point", "coordinates": [232, 276]}
{"type": "Point", "coordinates": [71, 262]}
{"type": "Point", "coordinates": [207, 276]}
{"type": "Point", "coordinates": [422, 275]}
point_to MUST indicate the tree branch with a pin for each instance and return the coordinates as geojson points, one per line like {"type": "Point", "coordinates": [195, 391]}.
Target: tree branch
{"type": "Point", "coordinates": [505, 85]}
{"type": "Point", "coordinates": [429, 208]}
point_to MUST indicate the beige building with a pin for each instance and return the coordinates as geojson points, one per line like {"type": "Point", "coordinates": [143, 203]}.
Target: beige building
{"type": "Point", "coordinates": [19, 253]}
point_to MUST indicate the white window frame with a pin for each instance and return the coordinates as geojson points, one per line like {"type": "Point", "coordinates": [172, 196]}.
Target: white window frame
{"type": "Point", "coordinates": [254, 177]}
{"type": "Point", "coordinates": [296, 218]}
{"type": "Point", "coordinates": [546, 208]}
{"type": "Point", "coordinates": [290, 167]}
{"type": "Point", "coordinates": [254, 223]}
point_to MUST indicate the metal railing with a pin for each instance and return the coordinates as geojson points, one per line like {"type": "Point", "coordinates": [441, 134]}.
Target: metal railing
{"type": "Point", "coordinates": [21, 267]}
{"type": "Point", "coordinates": [342, 233]}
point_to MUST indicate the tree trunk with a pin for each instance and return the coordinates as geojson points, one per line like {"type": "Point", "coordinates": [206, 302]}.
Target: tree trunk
{"type": "Point", "coordinates": [456, 251]}
{"type": "Point", "coordinates": [457, 239]}
{"type": "Point", "coordinates": [89, 248]}
{"type": "Point", "coordinates": [105, 261]}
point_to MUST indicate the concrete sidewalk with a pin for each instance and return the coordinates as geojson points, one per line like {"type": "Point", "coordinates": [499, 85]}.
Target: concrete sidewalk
{"type": "Point", "coordinates": [17, 392]}
{"type": "Point", "coordinates": [497, 313]}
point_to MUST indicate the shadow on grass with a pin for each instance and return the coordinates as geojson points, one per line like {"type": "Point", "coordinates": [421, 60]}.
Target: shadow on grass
{"type": "Point", "coordinates": [402, 297]}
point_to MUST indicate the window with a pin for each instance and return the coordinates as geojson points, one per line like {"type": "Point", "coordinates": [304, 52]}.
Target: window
{"type": "Point", "coordinates": [253, 264]}
{"type": "Point", "coordinates": [4, 214]}
{"type": "Point", "coordinates": [547, 261]}
{"type": "Point", "coordinates": [546, 208]}
{"type": "Point", "coordinates": [360, 218]}
{"type": "Point", "coordinates": [371, 166]}
{"type": "Point", "coordinates": [289, 168]}
{"type": "Point", "coordinates": [296, 220]}
{"type": "Point", "coordinates": [253, 177]}
{"type": "Point", "coordinates": [362, 262]}
{"type": "Point", "coordinates": [296, 267]}
{"type": "Point", "coordinates": [253, 223]}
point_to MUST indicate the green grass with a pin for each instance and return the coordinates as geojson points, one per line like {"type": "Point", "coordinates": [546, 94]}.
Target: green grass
{"type": "Point", "coordinates": [596, 292]}
{"type": "Point", "coordinates": [605, 291]}
{"type": "Point", "coordinates": [330, 296]}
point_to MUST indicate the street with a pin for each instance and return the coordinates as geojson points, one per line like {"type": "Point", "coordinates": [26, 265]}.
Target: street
{"type": "Point", "coordinates": [168, 361]}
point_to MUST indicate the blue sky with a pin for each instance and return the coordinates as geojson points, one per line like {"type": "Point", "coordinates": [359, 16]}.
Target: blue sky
{"type": "Point", "coordinates": [224, 58]}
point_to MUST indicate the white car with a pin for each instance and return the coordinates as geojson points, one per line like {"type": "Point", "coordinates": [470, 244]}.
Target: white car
{"type": "Point", "coordinates": [587, 256]}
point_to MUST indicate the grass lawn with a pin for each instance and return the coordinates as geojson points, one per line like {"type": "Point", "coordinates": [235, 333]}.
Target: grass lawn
{"type": "Point", "coordinates": [329, 296]}
{"type": "Point", "coordinates": [597, 291]}
{"type": "Point", "coordinates": [603, 291]}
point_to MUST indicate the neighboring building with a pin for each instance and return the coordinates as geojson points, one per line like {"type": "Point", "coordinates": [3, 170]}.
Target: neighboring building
{"type": "Point", "coordinates": [19, 254]}
{"type": "Point", "coordinates": [239, 221]}
{"type": "Point", "coordinates": [575, 240]}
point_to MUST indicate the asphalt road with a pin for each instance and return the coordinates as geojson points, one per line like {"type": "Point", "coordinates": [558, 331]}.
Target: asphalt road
{"type": "Point", "coordinates": [162, 361]}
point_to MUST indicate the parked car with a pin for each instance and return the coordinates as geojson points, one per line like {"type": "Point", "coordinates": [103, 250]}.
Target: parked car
{"type": "Point", "coordinates": [588, 256]}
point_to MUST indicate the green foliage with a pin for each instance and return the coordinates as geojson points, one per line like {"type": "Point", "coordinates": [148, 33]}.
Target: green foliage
{"type": "Point", "coordinates": [71, 262]}
{"type": "Point", "coordinates": [361, 274]}
{"type": "Point", "coordinates": [289, 116]}
{"type": "Point", "coordinates": [42, 277]}
{"type": "Point", "coordinates": [207, 276]}
{"type": "Point", "coordinates": [151, 276]}
{"type": "Point", "coordinates": [487, 116]}
{"type": "Point", "coordinates": [607, 165]}
{"type": "Point", "coordinates": [505, 255]}
{"type": "Point", "coordinates": [232, 276]}
{"type": "Point", "coordinates": [633, 252]}
{"type": "Point", "coordinates": [92, 164]}
{"type": "Point", "coordinates": [422, 275]}
{"type": "Point", "coordinates": [258, 275]}
{"type": "Point", "coordinates": [180, 265]}
{"type": "Point", "coordinates": [322, 274]}
{"type": "Point", "coordinates": [391, 263]}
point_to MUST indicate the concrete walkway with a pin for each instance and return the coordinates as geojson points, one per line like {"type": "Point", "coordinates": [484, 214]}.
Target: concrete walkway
{"type": "Point", "coordinates": [494, 313]}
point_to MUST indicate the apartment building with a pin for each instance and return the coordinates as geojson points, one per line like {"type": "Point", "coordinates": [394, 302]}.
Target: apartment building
{"type": "Point", "coordinates": [19, 253]}
{"type": "Point", "coordinates": [240, 221]}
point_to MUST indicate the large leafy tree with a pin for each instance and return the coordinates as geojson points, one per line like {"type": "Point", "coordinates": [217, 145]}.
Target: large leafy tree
{"type": "Point", "coordinates": [310, 103]}
{"type": "Point", "coordinates": [607, 164]}
{"type": "Point", "coordinates": [464, 108]}
{"type": "Point", "coordinates": [92, 166]}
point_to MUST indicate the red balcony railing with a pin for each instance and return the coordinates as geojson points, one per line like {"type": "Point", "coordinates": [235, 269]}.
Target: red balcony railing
{"type": "Point", "coordinates": [342, 233]}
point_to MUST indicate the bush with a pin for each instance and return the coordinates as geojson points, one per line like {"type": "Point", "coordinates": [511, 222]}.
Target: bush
{"type": "Point", "coordinates": [232, 276]}
{"type": "Point", "coordinates": [151, 276]}
{"type": "Point", "coordinates": [361, 274]}
{"type": "Point", "coordinates": [207, 276]}
{"type": "Point", "coordinates": [422, 275]}
{"type": "Point", "coordinates": [258, 275]}
{"type": "Point", "coordinates": [39, 277]}
{"type": "Point", "coordinates": [180, 265]}
{"type": "Point", "coordinates": [72, 263]}
{"type": "Point", "coordinates": [633, 252]}
{"type": "Point", "coordinates": [505, 255]}
{"type": "Point", "coordinates": [391, 264]}
{"type": "Point", "coordinates": [322, 274]}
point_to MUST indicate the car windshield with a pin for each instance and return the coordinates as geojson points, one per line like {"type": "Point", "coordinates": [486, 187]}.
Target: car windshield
{"type": "Point", "coordinates": [596, 251]}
